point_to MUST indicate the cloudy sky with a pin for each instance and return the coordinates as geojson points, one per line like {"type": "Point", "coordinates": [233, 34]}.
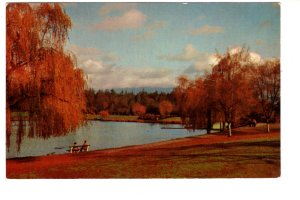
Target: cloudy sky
{"type": "Point", "coordinates": [122, 45]}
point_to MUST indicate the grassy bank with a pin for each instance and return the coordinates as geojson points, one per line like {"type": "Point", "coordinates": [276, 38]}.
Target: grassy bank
{"type": "Point", "coordinates": [134, 118]}
{"type": "Point", "coordinates": [250, 152]}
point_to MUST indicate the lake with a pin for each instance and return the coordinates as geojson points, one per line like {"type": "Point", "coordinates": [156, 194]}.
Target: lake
{"type": "Point", "coordinates": [100, 135]}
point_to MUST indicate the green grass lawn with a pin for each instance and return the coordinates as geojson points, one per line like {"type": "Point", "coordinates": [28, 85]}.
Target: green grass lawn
{"type": "Point", "coordinates": [171, 119]}
{"type": "Point", "coordinates": [122, 117]}
{"type": "Point", "coordinates": [112, 117]}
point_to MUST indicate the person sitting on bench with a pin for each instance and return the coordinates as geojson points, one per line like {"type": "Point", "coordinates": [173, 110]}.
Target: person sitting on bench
{"type": "Point", "coordinates": [74, 148]}
{"type": "Point", "coordinates": [84, 147]}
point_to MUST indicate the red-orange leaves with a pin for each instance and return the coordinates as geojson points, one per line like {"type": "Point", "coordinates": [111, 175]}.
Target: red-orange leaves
{"type": "Point", "coordinates": [165, 107]}
{"type": "Point", "coordinates": [41, 79]}
{"type": "Point", "coordinates": [138, 109]}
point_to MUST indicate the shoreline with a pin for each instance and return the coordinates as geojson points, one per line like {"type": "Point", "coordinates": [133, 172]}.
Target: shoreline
{"type": "Point", "coordinates": [134, 118]}
{"type": "Point", "coordinates": [137, 121]}
{"type": "Point", "coordinates": [208, 155]}
{"type": "Point", "coordinates": [208, 138]}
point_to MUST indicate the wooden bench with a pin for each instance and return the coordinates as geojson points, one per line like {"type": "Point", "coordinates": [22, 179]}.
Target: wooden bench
{"type": "Point", "coordinates": [78, 148]}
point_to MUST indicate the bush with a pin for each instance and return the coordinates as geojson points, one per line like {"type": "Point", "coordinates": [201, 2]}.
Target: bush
{"type": "Point", "coordinates": [104, 113]}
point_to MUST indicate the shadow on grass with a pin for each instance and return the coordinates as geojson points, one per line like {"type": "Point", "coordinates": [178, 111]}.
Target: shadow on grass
{"type": "Point", "coordinates": [209, 153]}
{"type": "Point", "coordinates": [24, 159]}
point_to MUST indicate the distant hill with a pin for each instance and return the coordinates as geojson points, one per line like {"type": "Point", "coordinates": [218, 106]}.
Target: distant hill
{"type": "Point", "coordinates": [146, 89]}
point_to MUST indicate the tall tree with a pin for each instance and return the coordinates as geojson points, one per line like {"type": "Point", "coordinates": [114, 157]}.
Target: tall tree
{"type": "Point", "coordinates": [180, 93]}
{"type": "Point", "coordinates": [233, 93]}
{"type": "Point", "coordinates": [266, 86]}
{"type": "Point", "coordinates": [41, 79]}
{"type": "Point", "coordinates": [193, 103]}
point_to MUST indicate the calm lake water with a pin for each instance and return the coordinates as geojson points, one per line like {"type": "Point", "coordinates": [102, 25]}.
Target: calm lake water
{"type": "Point", "coordinates": [100, 135]}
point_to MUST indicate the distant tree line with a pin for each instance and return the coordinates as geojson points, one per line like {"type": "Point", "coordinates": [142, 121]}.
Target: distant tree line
{"type": "Point", "coordinates": [128, 103]}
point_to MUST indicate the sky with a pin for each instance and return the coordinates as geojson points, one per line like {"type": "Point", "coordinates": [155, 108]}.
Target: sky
{"type": "Point", "coordinates": [120, 45]}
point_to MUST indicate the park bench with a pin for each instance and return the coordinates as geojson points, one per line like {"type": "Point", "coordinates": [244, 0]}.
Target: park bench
{"type": "Point", "coordinates": [78, 148]}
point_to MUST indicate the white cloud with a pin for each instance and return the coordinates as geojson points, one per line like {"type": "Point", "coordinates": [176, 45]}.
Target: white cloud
{"type": "Point", "coordinates": [93, 67]}
{"type": "Point", "coordinates": [84, 53]}
{"type": "Point", "coordinates": [199, 61]}
{"type": "Point", "coordinates": [203, 63]}
{"type": "Point", "coordinates": [108, 8]}
{"type": "Point", "coordinates": [206, 30]}
{"type": "Point", "coordinates": [150, 31]}
{"type": "Point", "coordinates": [189, 53]}
{"type": "Point", "coordinates": [103, 76]}
{"type": "Point", "coordinates": [131, 19]}
{"type": "Point", "coordinates": [253, 56]}
{"type": "Point", "coordinates": [110, 57]}
{"type": "Point", "coordinates": [102, 73]}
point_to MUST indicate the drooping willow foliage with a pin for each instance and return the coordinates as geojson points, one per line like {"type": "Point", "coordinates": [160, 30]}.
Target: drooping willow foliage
{"type": "Point", "coordinates": [42, 81]}
{"type": "Point", "coordinates": [234, 88]}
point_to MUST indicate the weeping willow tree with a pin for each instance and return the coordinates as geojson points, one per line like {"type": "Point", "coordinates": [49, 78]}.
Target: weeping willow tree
{"type": "Point", "coordinates": [42, 81]}
{"type": "Point", "coordinates": [233, 96]}
{"type": "Point", "coordinates": [224, 95]}
{"type": "Point", "coordinates": [194, 102]}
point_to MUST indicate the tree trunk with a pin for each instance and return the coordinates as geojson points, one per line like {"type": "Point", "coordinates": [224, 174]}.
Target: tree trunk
{"type": "Point", "coordinates": [229, 129]}
{"type": "Point", "coordinates": [208, 120]}
{"type": "Point", "coordinates": [268, 127]}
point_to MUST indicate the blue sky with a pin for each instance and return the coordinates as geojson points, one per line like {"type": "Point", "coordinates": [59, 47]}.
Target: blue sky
{"type": "Point", "coordinates": [150, 44]}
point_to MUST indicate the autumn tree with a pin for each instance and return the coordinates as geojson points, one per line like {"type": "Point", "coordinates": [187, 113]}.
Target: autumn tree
{"type": "Point", "coordinates": [41, 79]}
{"type": "Point", "coordinates": [233, 92]}
{"type": "Point", "coordinates": [196, 103]}
{"type": "Point", "coordinates": [266, 86]}
{"type": "Point", "coordinates": [165, 107]}
{"type": "Point", "coordinates": [180, 93]}
{"type": "Point", "coordinates": [138, 109]}
{"type": "Point", "coordinates": [195, 99]}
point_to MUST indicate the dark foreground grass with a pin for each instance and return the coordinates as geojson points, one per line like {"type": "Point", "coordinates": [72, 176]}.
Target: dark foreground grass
{"type": "Point", "coordinates": [212, 156]}
{"type": "Point", "coordinates": [254, 159]}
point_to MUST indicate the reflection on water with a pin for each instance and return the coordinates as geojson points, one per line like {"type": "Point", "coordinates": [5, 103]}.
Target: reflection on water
{"type": "Point", "coordinates": [100, 135]}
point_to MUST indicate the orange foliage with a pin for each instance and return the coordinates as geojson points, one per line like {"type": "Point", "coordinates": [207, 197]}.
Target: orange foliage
{"type": "Point", "coordinates": [138, 109]}
{"type": "Point", "coordinates": [180, 94]}
{"type": "Point", "coordinates": [41, 78]}
{"type": "Point", "coordinates": [104, 113]}
{"type": "Point", "coordinates": [226, 94]}
{"type": "Point", "coordinates": [165, 107]}
{"type": "Point", "coordinates": [266, 86]}
{"type": "Point", "coordinates": [233, 90]}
